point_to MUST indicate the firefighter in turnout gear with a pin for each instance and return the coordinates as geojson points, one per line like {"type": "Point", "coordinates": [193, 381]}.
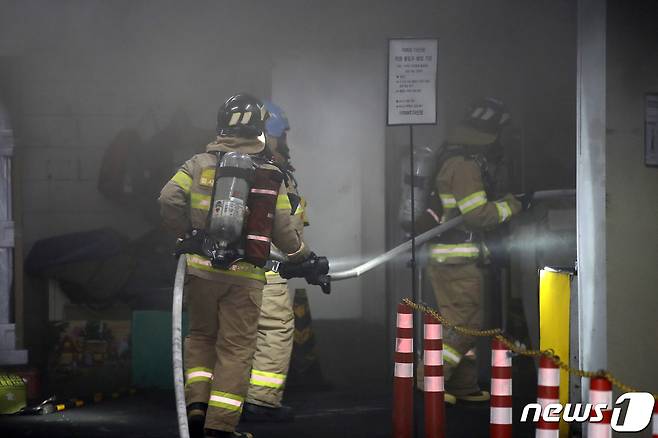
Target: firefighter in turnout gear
{"type": "Point", "coordinates": [463, 187]}
{"type": "Point", "coordinates": [277, 322]}
{"type": "Point", "coordinates": [225, 280]}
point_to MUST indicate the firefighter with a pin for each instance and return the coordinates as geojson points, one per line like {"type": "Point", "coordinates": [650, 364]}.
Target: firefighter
{"type": "Point", "coordinates": [224, 286]}
{"type": "Point", "coordinates": [464, 186]}
{"type": "Point", "coordinates": [277, 323]}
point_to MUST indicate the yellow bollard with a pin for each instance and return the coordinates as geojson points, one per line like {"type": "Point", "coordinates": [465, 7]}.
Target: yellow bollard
{"type": "Point", "coordinates": [554, 320]}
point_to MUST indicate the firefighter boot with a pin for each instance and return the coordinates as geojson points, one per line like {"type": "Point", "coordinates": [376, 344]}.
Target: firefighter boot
{"type": "Point", "coordinates": [196, 417]}
{"type": "Point", "coordinates": [257, 414]}
{"type": "Point", "coordinates": [463, 382]}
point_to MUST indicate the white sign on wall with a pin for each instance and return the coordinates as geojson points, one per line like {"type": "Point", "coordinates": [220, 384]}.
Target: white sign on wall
{"type": "Point", "coordinates": [412, 68]}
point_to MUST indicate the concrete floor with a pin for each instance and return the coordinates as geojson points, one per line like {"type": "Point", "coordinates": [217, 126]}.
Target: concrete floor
{"type": "Point", "coordinates": [356, 411]}
{"type": "Point", "coordinates": [343, 412]}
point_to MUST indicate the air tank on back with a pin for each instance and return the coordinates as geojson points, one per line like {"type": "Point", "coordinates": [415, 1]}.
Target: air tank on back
{"type": "Point", "coordinates": [228, 208]}
{"type": "Point", "coordinates": [424, 165]}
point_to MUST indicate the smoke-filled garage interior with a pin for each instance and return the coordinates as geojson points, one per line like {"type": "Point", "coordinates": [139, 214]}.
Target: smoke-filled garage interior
{"type": "Point", "coordinates": [328, 219]}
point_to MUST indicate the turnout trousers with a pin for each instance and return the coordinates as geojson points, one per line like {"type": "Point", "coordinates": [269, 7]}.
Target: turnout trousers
{"type": "Point", "coordinates": [276, 327]}
{"type": "Point", "coordinates": [223, 321]}
{"type": "Point", "coordinates": [458, 292]}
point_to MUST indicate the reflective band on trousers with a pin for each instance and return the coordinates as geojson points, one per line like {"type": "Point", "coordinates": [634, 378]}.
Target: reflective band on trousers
{"type": "Point", "coordinates": [444, 251]}
{"type": "Point", "coordinates": [225, 400]}
{"type": "Point", "coordinates": [448, 200]}
{"type": "Point", "coordinates": [472, 201]}
{"type": "Point", "coordinates": [239, 269]}
{"type": "Point", "coordinates": [183, 180]}
{"type": "Point", "coordinates": [450, 355]}
{"type": "Point", "coordinates": [504, 211]}
{"type": "Point", "coordinates": [270, 380]}
{"type": "Point", "coordinates": [199, 374]}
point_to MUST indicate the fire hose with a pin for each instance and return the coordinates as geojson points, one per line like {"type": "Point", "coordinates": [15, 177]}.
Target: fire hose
{"type": "Point", "coordinates": [427, 236]}
{"type": "Point", "coordinates": [177, 348]}
{"type": "Point", "coordinates": [177, 310]}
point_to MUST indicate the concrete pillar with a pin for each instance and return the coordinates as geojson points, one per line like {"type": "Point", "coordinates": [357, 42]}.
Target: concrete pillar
{"type": "Point", "coordinates": [591, 182]}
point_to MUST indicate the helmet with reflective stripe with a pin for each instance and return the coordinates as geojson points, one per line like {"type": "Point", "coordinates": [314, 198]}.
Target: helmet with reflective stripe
{"type": "Point", "coordinates": [487, 115]}
{"type": "Point", "coordinates": [242, 115]}
{"type": "Point", "coordinates": [277, 121]}
{"type": "Point", "coordinates": [482, 123]}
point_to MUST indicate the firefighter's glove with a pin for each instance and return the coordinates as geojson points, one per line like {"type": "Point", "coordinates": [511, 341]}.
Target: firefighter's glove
{"type": "Point", "coordinates": [191, 244]}
{"type": "Point", "coordinates": [429, 218]}
{"type": "Point", "coordinates": [426, 221]}
{"type": "Point", "coordinates": [525, 199]}
{"type": "Point", "coordinates": [314, 269]}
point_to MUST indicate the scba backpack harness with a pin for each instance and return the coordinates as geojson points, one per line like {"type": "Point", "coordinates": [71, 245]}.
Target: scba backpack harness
{"type": "Point", "coordinates": [241, 216]}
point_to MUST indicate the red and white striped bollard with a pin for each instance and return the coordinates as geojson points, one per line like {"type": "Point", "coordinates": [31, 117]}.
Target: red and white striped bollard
{"type": "Point", "coordinates": [433, 381]}
{"type": "Point", "coordinates": [403, 380]}
{"type": "Point", "coordinates": [548, 391]}
{"type": "Point", "coordinates": [501, 391]}
{"type": "Point", "coordinates": [600, 392]}
{"type": "Point", "coordinates": [655, 419]}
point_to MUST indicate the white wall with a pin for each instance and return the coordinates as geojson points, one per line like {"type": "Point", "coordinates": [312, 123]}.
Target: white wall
{"type": "Point", "coordinates": [334, 101]}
